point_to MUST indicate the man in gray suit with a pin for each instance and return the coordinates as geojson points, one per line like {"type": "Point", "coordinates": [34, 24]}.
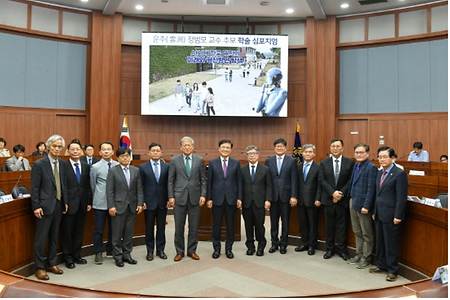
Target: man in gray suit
{"type": "Point", "coordinates": [125, 197]}
{"type": "Point", "coordinates": [18, 162]}
{"type": "Point", "coordinates": [187, 192]}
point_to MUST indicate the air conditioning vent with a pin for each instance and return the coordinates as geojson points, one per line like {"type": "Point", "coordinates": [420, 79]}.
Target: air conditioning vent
{"type": "Point", "coordinates": [216, 2]}
{"type": "Point", "coordinates": [369, 2]}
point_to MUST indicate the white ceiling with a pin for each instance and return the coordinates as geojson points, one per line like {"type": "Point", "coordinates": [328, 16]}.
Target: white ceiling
{"type": "Point", "coordinates": [238, 11]}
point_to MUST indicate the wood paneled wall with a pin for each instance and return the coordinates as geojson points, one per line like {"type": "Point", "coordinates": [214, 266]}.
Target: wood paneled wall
{"type": "Point", "coordinates": [208, 131]}
{"type": "Point", "coordinates": [113, 88]}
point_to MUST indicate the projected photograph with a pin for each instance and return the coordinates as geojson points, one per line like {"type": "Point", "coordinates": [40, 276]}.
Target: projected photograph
{"type": "Point", "coordinates": [210, 75]}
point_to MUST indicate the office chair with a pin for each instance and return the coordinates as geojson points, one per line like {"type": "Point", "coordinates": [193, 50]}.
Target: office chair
{"type": "Point", "coordinates": [3, 193]}
{"type": "Point", "coordinates": [443, 197]}
{"type": "Point", "coordinates": [17, 189]}
{"type": "Point", "coordinates": [5, 168]}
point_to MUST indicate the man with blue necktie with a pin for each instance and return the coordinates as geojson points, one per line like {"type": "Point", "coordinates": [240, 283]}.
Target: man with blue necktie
{"type": "Point", "coordinates": [154, 176]}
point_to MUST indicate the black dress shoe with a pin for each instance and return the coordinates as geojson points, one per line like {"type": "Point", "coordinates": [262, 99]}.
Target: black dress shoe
{"type": "Point", "coordinates": [161, 255]}
{"type": "Point", "coordinates": [230, 254]}
{"type": "Point", "coordinates": [81, 261]}
{"type": "Point", "coordinates": [311, 251]}
{"type": "Point", "coordinates": [216, 254]}
{"type": "Point", "coordinates": [119, 263]}
{"type": "Point", "coordinates": [301, 248]}
{"type": "Point", "coordinates": [344, 256]}
{"type": "Point", "coordinates": [130, 260]}
{"type": "Point", "coordinates": [149, 256]}
{"type": "Point", "coordinates": [273, 249]}
{"type": "Point", "coordinates": [250, 251]}
{"type": "Point", "coordinates": [70, 265]}
{"type": "Point", "coordinates": [260, 252]}
{"type": "Point", "coordinates": [283, 250]}
{"type": "Point", "coordinates": [328, 254]}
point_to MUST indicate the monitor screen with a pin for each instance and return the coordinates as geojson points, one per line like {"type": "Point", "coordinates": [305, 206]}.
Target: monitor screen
{"type": "Point", "coordinates": [196, 74]}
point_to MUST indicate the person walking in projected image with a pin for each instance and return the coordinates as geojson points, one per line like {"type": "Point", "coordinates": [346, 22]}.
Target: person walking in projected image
{"type": "Point", "coordinates": [196, 94]}
{"type": "Point", "coordinates": [178, 94]}
{"type": "Point", "coordinates": [210, 102]}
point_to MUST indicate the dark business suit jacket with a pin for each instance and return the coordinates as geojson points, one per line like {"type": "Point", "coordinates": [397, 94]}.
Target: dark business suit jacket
{"type": "Point", "coordinates": [94, 159]}
{"type": "Point", "coordinates": [309, 190]}
{"type": "Point", "coordinates": [220, 187]}
{"type": "Point", "coordinates": [258, 190]}
{"type": "Point", "coordinates": [155, 193]}
{"type": "Point", "coordinates": [284, 185]}
{"type": "Point", "coordinates": [43, 185]}
{"type": "Point", "coordinates": [326, 179]}
{"type": "Point", "coordinates": [78, 194]}
{"type": "Point", "coordinates": [390, 201]}
{"type": "Point", "coordinates": [363, 192]}
{"type": "Point", "coordinates": [118, 194]}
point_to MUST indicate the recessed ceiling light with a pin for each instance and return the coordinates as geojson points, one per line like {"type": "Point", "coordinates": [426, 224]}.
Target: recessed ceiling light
{"type": "Point", "coordinates": [289, 10]}
{"type": "Point", "coordinates": [345, 5]}
{"type": "Point", "coordinates": [164, 1]}
{"type": "Point", "coordinates": [84, 0]}
{"type": "Point", "coordinates": [264, 3]}
{"type": "Point", "coordinates": [139, 7]}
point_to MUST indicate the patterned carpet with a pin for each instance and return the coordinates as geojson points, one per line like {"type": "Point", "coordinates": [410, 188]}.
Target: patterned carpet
{"type": "Point", "coordinates": [273, 275]}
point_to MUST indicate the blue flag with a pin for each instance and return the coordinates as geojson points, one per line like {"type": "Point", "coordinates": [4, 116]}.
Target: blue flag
{"type": "Point", "coordinates": [297, 152]}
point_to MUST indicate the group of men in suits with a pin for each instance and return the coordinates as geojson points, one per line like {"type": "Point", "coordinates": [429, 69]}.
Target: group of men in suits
{"type": "Point", "coordinates": [120, 191]}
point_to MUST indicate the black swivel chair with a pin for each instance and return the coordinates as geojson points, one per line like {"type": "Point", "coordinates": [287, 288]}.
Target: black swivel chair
{"type": "Point", "coordinates": [17, 189]}
{"type": "Point", "coordinates": [444, 199]}
{"type": "Point", "coordinates": [3, 193]}
{"type": "Point", "coordinates": [5, 168]}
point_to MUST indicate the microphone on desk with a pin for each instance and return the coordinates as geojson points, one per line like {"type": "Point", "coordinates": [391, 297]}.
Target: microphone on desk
{"type": "Point", "coordinates": [403, 157]}
{"type": "Point", "coordinates": [238, 154]}
{"type": "Point", "coordinates": [15, 189]}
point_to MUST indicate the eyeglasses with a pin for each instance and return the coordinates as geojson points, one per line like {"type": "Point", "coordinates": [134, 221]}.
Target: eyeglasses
{"type": "Point", "coordinates": [252, 153]}
{"type": "Point", "coordinates": [383, 157]}
{"type": "Point", "coordinates": [360, 153]}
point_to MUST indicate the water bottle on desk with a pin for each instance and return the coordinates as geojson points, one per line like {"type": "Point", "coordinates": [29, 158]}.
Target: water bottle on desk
{"type": "Point", "coordinates": [20, 194]}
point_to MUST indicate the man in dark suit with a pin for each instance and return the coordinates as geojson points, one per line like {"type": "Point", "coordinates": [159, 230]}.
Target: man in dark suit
{"type": "Point", "coordinates": [125, 198]}
{"type": "Point", "coordinates": [389, 211]}
{"type": "Point", "coordinates": [334, 177]}
{"type": "Point", "coordinates": [283, 170]}
{"type": "Point", "coordinates": [256, 197]}
{"type": "Point", "coordinates": [89, 157]}
{"type": "Point", "coordinates": [224, 195]}
{"type": "Point", "coordinates": [154, 176]}
{"type": "Point", "coordinates": [309, 195]}
{"type": "Point", "coordinates": [48, 201]}
{"type": "Point", "coordinates": [187, 192]}
{"type": "Point", "coordinates": [79, 201]}
{"type": "Point", "coordinates": [362, 195]}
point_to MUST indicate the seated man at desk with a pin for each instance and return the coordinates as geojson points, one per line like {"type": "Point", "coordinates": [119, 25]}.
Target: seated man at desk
{"type": "Point", "coordinates": [18, 162]}
{"type": "Point", "coordinates": [418, 154]}
{"type": "Point", "coordinates": [443, 159]}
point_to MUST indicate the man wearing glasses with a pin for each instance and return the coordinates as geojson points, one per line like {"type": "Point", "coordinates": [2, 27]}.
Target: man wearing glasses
{"type": "Point", "coordinates": [256, 197]}
{"type": "Point", "coordinates": [389, 211]}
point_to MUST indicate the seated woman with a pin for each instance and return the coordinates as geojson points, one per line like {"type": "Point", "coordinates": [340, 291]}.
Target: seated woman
{"type": "Point", "coordinates": [40, 150]}
{"type": "Point", "coordinates": [3, 152]}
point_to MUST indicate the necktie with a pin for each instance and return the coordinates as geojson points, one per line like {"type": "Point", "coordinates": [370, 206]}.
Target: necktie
{"type": "Point", "coordinates": [156, 170]}
{"type": "Point", "coordinates": [23, 165]}
{"type": "Point", "coordinates": [253, 173]}
{"type": "Point", "coordinates": [188, 166]}
{"type": "Point", "coordinates": [357, 171]}
{"type": "Point", "coordinates": [305, 171]}
{"type": "Point", "coordinates": [224, 168]}
{"type": "Point", "coordinates": [336, 171]}
{"type": "Point", "coordinates": [279, 165]}
{"type": "Point", "coordinates": [77, 172]}
{"type": "Point", "coordinates": [127, 176]}
{"type": "Point", "coordinates": [109, 166]}
{"type": "Point", "coordinates": [57, 180]}
{"type": "Point", "coordinates": [383, 177]}
{"type": "Point", "coordinates": [90, 161]}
